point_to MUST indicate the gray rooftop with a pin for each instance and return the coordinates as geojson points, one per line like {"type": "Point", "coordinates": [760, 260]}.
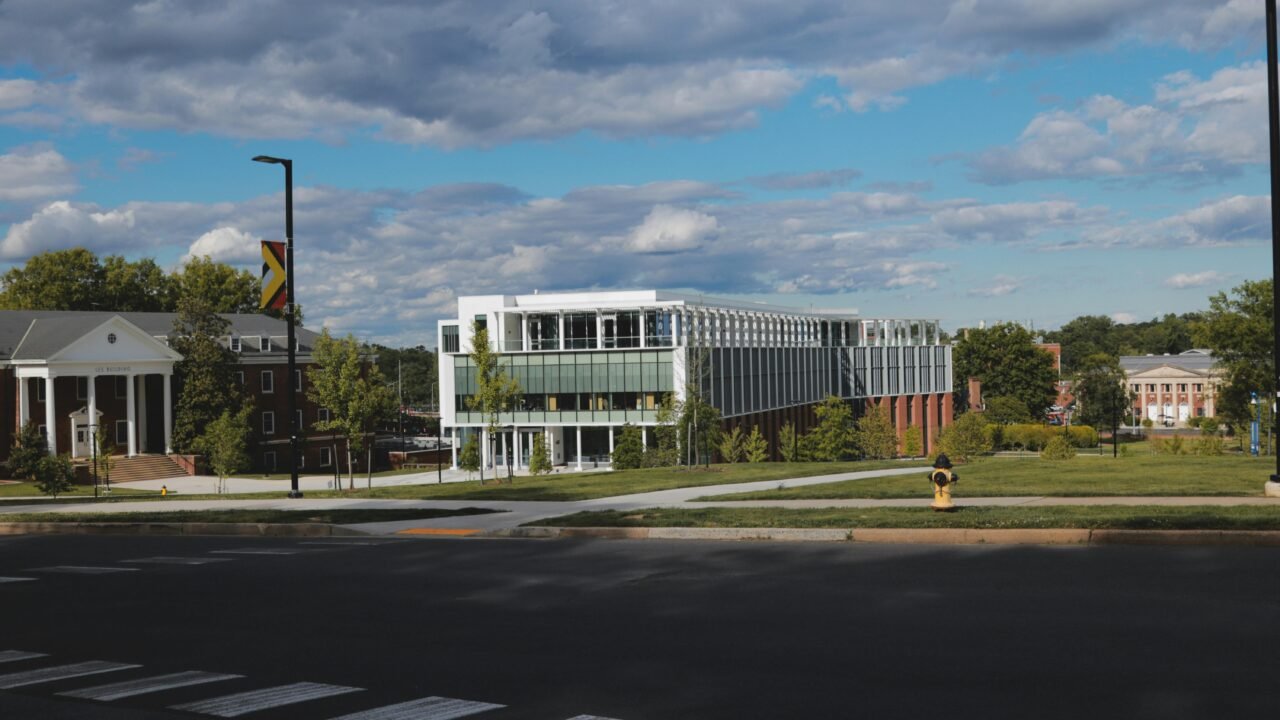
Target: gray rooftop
{"type": "Point", "coordinates": [1197, 360]}
{"type": "Point", "coordinates": [37, 334]}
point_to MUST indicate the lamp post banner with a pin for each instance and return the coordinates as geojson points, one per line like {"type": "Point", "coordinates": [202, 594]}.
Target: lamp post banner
{"type": "Point", "coordinates": [273, 276]}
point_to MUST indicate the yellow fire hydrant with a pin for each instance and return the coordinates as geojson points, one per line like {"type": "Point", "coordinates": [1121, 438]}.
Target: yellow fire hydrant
{"type": "Point", "coordinates": [942, 477]}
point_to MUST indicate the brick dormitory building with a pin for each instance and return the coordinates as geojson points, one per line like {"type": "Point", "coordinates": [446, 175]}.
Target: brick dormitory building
{"type": "Point", "coordinates": [61, 368]}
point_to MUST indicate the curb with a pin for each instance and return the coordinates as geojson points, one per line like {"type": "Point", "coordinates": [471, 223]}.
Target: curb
{"type": "Point", "coordinates": [192, 528]}
{"type": "Point", "coordinates": [948, 536]}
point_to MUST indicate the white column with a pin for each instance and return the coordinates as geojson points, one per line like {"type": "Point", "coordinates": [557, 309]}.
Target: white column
{"type": "Point", "coordinates": [599, 330]}
{"type": "Point", "coordinates": [93, 409]}
{"type": "Point", "coordinates": [484, 448]}
{"type": "Point", "coordinates": [560, 323]}
{"type": "Point", "coordinates": [524, 332]}
{"type": "Point", "coordinates": [132, 415]}
{"type": "Point", "coordinates": [579, 429]}
{"type": "Point", "coordinates": [644, 437]}
{"type": "Point", "coordinates": [50, 419]}
{"type": "Point", "coordinates": [610, 429]}
{"type": "Point", "coordinates": [168, 415]}
{"type": "Point", "coordinates": [453, 447]}
{"type": "Point", "coordinates": [504, 451]}
{"type": "Point", "coordinates": [24, 401]}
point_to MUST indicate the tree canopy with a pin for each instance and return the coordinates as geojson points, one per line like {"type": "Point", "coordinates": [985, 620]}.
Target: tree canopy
{"type": "Point", "coordinates": [1238, 329]}
{"type": "Point", "coordinates": [1092, 334]}
{"type": "Point", "coordinates": [1005, 358]}
{"type": "Point", "coordinates": [206, 373]}
{"type": "Point", "coordinates": [77, 279]}
{"type": "Point", "coordinates": [1102, 395]}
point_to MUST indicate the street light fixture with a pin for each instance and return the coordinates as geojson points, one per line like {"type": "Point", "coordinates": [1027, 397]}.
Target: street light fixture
{"type": "Point", "coordinates": [289, 314]}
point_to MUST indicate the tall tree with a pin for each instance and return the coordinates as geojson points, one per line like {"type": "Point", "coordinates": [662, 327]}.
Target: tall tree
{"type": "Point", "coordinates": [206, 373]}
{"type": "Point", "coordinates": [833, 436]}
{"type": "Point", "coordinates": [1238, 329]}
{"type": "Point", "coordinates": [1005, 358]}
{"type": "Point", "coordinates": [496, 393]}
{"type": "Point", "coordinates": [135, 286]}
{"type": "Point", "coordinates": [55, 280]}
{"type": "Point", "coordinates": [224, 288]}
{"type": "Point", "coordinates": [875, 437]}
{"type": "Point", "coordinates": [225, 443]}
{"type": "Point", "coordinates": [1102, 394]}
{"type": "Point", "coordinates": [343, 380]}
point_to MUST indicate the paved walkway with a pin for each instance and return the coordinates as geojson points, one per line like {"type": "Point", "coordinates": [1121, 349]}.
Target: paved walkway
{"type": "Point", "coordinates": [517, 513]}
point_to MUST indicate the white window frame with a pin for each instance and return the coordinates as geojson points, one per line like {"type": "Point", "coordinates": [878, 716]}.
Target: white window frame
{"type": "Point", "coordinates": [267, 381]}
{"type": "Point", "coordinates": [240, 377]}
{"type": "Point", "coordinates": [40, 389]}
{"type": "Point", "coordinates": [322, 415]}
{"type": "Point", "coordinates": [268, 418]}
{"type": "Point", "coordinates": [85, 394]}
{"type": "Point", "coordinates": [264, 344]}
{"type": "Point", "coordinates": [122, 432]}
{"type": "Point", "coordinates": [326, 457]}
{"type": "Point", "coordinates": [298, 417]}
{"type": "Point", "coordinates": [269, 460]}
{"type": "Point", "coordinates": [235, 343]}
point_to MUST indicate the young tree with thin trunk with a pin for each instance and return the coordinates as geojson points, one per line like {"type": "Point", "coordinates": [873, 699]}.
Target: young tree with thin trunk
{"type": "Point", "coordinates": [496, 393]}
{"type": "Point", "coordinates": [225, 444]}
{"type": "Point", "coordinates": [756, 446]}
{"type": "Point", "coordinates": [876, 438]}
{"type": "Point", "coordinates": [353, 390]}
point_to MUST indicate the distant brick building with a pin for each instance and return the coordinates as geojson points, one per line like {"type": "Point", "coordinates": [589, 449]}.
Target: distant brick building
{"type": "Point", "coordinates": [1170, 389]}
{"type": "Point", "coordinates": [62, 368]}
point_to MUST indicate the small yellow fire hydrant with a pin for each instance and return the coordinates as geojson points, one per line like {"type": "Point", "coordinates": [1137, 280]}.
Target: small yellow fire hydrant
{"type": "Point", "coordinates": [942, 477]}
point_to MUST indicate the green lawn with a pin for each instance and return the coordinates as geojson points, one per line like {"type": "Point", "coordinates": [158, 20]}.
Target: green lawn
{"type": "Point", "coordinates": [1153, 475]}
{"type": "Point", "coordinates": [586, 486]}
{"type": "Point", "coordinates": [336, 516]}
{"type": "Point", "coordinates": [359, 475]}
{"type": "Point", "coordinates": [26, 489]}
{"type": "Point", "coordinates": [1121, 517]}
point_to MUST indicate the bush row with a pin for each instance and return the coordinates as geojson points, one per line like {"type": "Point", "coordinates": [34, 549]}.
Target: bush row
{"type": "Point", "coordinates": [1030, 436]}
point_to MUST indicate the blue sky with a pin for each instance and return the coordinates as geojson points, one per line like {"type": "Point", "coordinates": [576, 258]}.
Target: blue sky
{"type": "Point", "coordinates": [975, 160]}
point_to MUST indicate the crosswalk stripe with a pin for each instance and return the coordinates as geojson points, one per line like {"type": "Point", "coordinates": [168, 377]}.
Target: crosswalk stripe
{"type": "Point", "coordinates": [255, 551]}
{"type": "Point", "coordinates": [590, 717]}
{"type": "Point", "coordinates": [60, 672]}
{"type": "Point", "coordinates": [129, 688]}
{"type": "Point", "coordinates": [428, 708]}
{"type": "Point", "coordinates": [84, 569]}
{"type": "Point", "coordinates": [16, 655]}
{"type": "Point", "coordinates": [246, 702]}
{"type": "Point", "coordinates": [168, 560]}
{"type": "Point", "coordinates": [14, 579]}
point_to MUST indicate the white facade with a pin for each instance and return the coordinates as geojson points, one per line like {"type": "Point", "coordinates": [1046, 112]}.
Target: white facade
{"type": "Point", "coordinates": [750, 358]}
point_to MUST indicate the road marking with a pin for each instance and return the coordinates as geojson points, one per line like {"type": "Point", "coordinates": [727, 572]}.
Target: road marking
{"type": "Point", "coordinates": [167, 560]}
{"type": "Point", "coordinates": [60, 672]}
{"type": "Point", "coordinates": [428, 708]}
{"type": "Point", "coordinates": [255, 551]}
{"type": "Point", "coordinates": [84, 569]}
{"type": "Point", "coordinates": [16, 655]}
{"type": "Point", "coordinates": [14, 579]}
{"type": "Point", "coordinates": [129, 688]}
{"type": "Point", "coordinates": [255, 700]}
{"type": "Point", "coordinates": [590, 717]}
{"type": "Point", "coordinates": [459, 532]}
{"type": "Point", "coordinates": [347, 542]}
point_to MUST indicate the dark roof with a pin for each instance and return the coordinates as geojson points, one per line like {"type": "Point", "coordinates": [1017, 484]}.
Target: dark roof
{"type": "Point", "coordinates": [1197, 360]}
{"type": "Point", "coordinates": [37, 334]}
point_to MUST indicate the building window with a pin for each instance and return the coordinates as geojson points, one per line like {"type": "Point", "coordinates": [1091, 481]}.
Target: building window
{"type": "Point", "coordinates": [240, 377]}
{"type": "Point", "coordinates": [297, 380]}
{"type": "Point", "coordinates": [450, 335]}
{"type": "Point", "coordinates": [264, 344]}
{"type": "Point", "coordinates": [1199, 412]}
{"type": "Point", "coordinates": [1137, 387]}
{"type": "Point", "coordinates": [1166, 387]}
{"type": "Point", "coordinates": [235, 344]}
{"type": "Point", "coordinates": [298, 418]}
{"type": "Point", "coordinates": [1182, 387]}
{"type": "Point", "coordinates": [268, 382]}
{"type": "Point", "coordinates": [82, 388]}
{"type": "Point", "coordinates": [122, 386]}
{"type": "Point", "coordinates": [44, 432]}
{"type": "Point", "coordinates": [326, 457]}
{"type": "Point", "coordinates": [1199, 387]}
{"type": "Point", "coordinates": [1151, 387]}
{"type": "Point", "coordinates": [322, 415]}
{"type": "Point", "coordinates": [40, 389]}
{"type": "Point", "coordinates": [122, 432]}
{"type": "Point", "coordinates": [482, 322]}
{"type": "Point", "coordinates": [268, 423]}
{"type": "Point", "coordinates": [302, 460]}
{"type": "Point", "coordinates": [269, 461]}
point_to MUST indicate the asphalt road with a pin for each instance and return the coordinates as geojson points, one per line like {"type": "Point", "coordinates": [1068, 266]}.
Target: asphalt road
{"type": "Point", "coordinates": [552, 630]}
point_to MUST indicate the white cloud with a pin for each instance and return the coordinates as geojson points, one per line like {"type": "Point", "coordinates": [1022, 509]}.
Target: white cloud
{"type": "Point", "coordinates": [671, 229]}
{"type": "Point", "coordinates": [1124, 318]}
{"type": "Point", "coordinates": [61, 225]}
{"type": "Point", "coordinates": [35, 172]}
{"type": "Point", "coordinates": [226, 244]}
{"type": "Point", "coordinates": [998, 286]}
{"type": "Point", "coordinates": [1192, 128]}
{"type": "Point", "coordinates": [1182, 281]}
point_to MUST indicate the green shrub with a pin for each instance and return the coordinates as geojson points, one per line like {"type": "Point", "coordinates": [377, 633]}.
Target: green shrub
{"type": "Point", "coordinates": [1194, 422]}
{"type": "Point", "coordinates": [1029, 436]}
{"type": "Point", "coordinates": [756, 446]}
{"type": "Point", "coordinates": [1208, 445]}
{"type": "Point", "coordinates": [628, 450]}
{"type": "Point", "coordinates": [912, 441]}
{"type": "Point", "coordinates": [1058, 448]}
{"type": "Point", "coordinates": [539, 460]}
{"type": "Point", "coordinates": [1174, 445]}
{"type": "Point", "coordinates": [1148, 423]}
{"type": "Point", "coordinates": [54, 474]}
{"type": "Point", "coordinates": [731, 445]}
{"type": "Point", "coordinates": [966, 438]}
{"type": "Point", "coordinates": [1082, 436]}
{"type": "Point", "coordinates": [1208, 425]}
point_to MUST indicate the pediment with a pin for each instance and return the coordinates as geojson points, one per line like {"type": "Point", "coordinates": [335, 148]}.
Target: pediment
{"type": "Point", "coordinates": [116, 340]}
{"type": "Point", "coordinates": [1167, 372]}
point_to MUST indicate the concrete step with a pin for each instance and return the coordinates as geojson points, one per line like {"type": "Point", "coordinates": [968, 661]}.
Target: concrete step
{"type": "Point", "coordinates": [144, 467]}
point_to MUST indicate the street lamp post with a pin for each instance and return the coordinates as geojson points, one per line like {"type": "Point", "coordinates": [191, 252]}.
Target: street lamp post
{"type": "Point", "coordinates": [289, 315]}
{"type": "Point", "coordinates": [1273, 116]}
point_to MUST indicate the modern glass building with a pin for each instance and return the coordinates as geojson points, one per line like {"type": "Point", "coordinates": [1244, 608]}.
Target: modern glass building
{"type": "Point", "coordinates": [588, 363]}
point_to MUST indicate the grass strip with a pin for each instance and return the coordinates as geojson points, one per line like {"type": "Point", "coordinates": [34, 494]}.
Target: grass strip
{"type": "Point", "coordinates": [335, 516]}
{"type": "Point", "coordinates": [1083, 476]}
{"type": "Point", "coordinates": [27, 489]}
{"type": "Point", "coordinates": [1113, 517]}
